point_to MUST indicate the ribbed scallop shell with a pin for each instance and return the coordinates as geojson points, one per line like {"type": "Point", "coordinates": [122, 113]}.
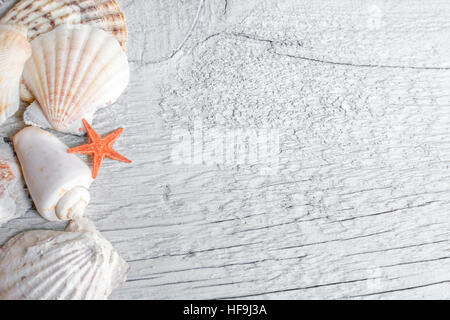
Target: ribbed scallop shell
{"type": "Point", "coordinates": [74, 71]}
{"type": "Point", "coordinates": [44, 15]}
{"type": "Point", "coordinates": [14, 52]}
{"type": "Point", "coordinates": [53, 265]}
{"type": "Point", "coordinates": [58, 182]}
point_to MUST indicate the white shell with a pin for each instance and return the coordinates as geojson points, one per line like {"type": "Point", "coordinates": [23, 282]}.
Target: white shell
{"type": "Point", "coordinates": [44, 15]}
{"type": "Point", "coordinates": [14, 200]}
{"type": "Point", "coordinates": [73, 72]}
{"type": "Point", "coordinates": [58, 181]}
{"type": "Point", "coordinates": [33, 116]}
{"type": "Point", "coordinates": [78, 264]}
{"type": "Point", "coordinates": [14, 52]}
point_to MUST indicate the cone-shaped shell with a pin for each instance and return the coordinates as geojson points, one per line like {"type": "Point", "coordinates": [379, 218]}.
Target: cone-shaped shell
{"type": "Point", "coordinates": [44, 15]}
{"type": "Point", "coordinates": [58, 181]}
{"type": "Point", "coordinates": [14, 200]}
{"type": "Point", "coordinates": [73, 72]}
{"type": "Point", "coordinates": [78, 264]}
{"type": "Point", "coordinates": [14, 52]}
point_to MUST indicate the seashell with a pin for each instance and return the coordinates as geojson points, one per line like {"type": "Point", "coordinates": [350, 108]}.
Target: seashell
{"type": "Point", "coordinates": [33, 116]}
{"type": "Point", "coordinates": [14, 52]}
{"type": "Point", "coordinates": [25, 94]}
{"type": "Point", "coordinates": [73, 72]}
{"type": "Point", "coordinates": [78, 264]}
{"type": "Point", "coordinates": [43, 16]}
{"type": "Point", "coordinates": [14, 200]}
{"type": "Point", "coordinates": [58, 181]}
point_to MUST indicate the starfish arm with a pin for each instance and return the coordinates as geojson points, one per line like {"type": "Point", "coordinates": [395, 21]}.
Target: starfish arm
{"type": "Point", "coordinates": [114, 155]}
{"type": "Point", "coordinates": [98, 160]}
{"type": "Point", "coordinates": [84, 149]}
{"type": "Point", "coordinates": [100, 148]}
{"type": "Point", "coordinates": [111, 138]}
{"type": "Point", "coordinates": [94, 136]}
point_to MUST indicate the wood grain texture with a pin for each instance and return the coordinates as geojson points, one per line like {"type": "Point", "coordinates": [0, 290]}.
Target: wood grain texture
{"type": "Point", "coordinates": [359, 91]}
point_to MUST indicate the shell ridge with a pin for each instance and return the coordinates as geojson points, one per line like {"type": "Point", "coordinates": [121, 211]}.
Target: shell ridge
{"type": "Point", "coordinates": [98, 92]}
{"type": "Point", "coordinates": [61, 289]}
{"type": "Point", "coordinates": [91, 92]}
{"type": "Point", "coordinates": [95, 283]}
{"type": "Point", "coordinates": [68, 75]}
{"type": "Point", "coordinates": [58, 34]}
{"type": "Point", "coordinates": [60, 67]}
{"type": "Point", "coordinates": [32, 74]}
{"type": "Point", "coordinates": [82, 246]}
{"type": "Point", "coordinates": [40, 9]}
{"type": "Point", "coordinates": [31, 278]}
{"type": "Point", "coordinates": [51, 67]}
{"type": "Point", "coordinates": [78, 293]}
{"type": "Point", "coordinates": [15, 10]}
{"type": "Point", "coordinates": [44, 77]}
{"type": "Point", "coordinates": [14, 52]}
{"type": "Point", "coordinates": [59, 71]}
{"type": "Point", "coordinates": [52, 277]}
{"type": "Point", "coordinates": [28, 256]}
{"type": "Point", "coordinates": [42, 16]}
{"type": "Point", "coordinates": [75, 74]}
{"type": "Point", "coordinates": [82, 85]}
{"type": "Point", "coordinates": [69, 71]}
{"type": "Point", "coordinates": [21, 14]}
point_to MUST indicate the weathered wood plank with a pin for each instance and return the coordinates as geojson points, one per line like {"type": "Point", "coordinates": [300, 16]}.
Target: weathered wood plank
{"type": "Point", "coordinates": [358, 208]}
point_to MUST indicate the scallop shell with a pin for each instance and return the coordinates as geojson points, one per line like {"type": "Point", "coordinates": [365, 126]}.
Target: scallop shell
{"type": "Point", "coordinates": [73, 72]}
{"type": "Point", "coordinates": [14, 200]}
{"type": "Point", "coordinates": [14, 52]}
{"type": "Point", "coordinates": [25, 94]}
{"type": "Point", "coordinates": [44, 15]}
{"type": "Point", "coordinates": [78, 264]}
{"type": "Point", "coordinates": [58, 181]}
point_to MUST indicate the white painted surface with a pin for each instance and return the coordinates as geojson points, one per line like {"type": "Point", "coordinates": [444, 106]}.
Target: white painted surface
{"type": "Point", "coordinates": [360, 91]}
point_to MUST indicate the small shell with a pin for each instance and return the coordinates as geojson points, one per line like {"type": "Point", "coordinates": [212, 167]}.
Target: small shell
{"type": "Point", "coordinates": [14, 200]}
{"type": "Point", "coordinates": [58, 181]}
{"type": "Point", "coordinates": [73, 72]}
{"type": "Point", "coordinates": [44, 15]}
{"type": "Point", "coordinates": [78, 264]}
{"type": "Point", "coordinates": [14, 52]}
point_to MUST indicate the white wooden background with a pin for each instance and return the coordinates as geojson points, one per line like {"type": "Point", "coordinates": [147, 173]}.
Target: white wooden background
{"type": "Point", "coordinates": [360, 91]}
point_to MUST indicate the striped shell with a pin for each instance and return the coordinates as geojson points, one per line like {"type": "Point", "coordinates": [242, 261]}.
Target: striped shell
{"type": "Point", "coordinates": [74, 71]}
{"type": "Point", "coordinates": [14, 52]}
{"type": "Point", "coordinates": [44, 15]}
{"type": "Point", "coordinates": [78, 264]}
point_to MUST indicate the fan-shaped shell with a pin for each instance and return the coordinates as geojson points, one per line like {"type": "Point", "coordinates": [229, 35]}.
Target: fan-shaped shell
{"type": "Point", "coordinates": [14, 52]}
{"type": "Point", "coordinates": [73, 72]}
{"type": "Point", "coordinates": [14, 201]}
{"type": "Point", "coordinates": [55, 265]}
{"type": "Point", "coordinates": [44, 15]}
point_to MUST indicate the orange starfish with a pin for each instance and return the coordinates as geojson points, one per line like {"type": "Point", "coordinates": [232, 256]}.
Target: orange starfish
{"type": "Point", "coordinates": [100, 148]}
